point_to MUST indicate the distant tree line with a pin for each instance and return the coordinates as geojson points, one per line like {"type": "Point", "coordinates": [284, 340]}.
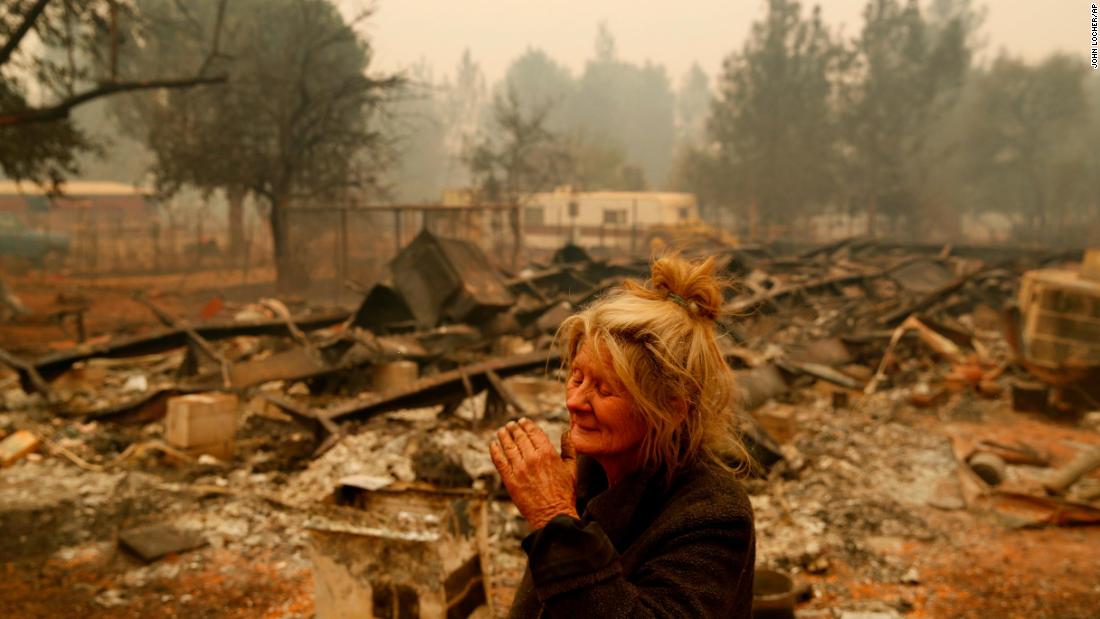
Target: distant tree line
{"type": "Point", "coordinates": [612, 127]}
{"type": "Point", "coordinates": [895, 126]}
{"type": "Point", "coordinates": [899, 126]}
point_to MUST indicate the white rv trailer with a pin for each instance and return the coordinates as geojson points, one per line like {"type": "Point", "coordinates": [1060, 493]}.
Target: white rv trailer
{"type": "Point", "coordinates": [603, 219]}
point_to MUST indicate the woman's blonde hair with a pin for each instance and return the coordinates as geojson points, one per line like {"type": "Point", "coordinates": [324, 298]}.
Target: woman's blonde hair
{"type": "Point", "coordinates": [661, 338]}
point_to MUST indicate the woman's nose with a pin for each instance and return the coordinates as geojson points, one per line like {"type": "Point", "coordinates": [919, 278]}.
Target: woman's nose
{"type": "Point", "coordinates": [576, 398]}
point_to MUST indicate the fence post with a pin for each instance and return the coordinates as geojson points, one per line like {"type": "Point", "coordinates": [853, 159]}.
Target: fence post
{"type": "Point", "coordinates": [396, 231]}
{"type": "Point", "coordinates": [95, 240]}
{"type": "Point", "coordinates": [343, 245]}
{"type": "Point", "coordinates": [119, 240]}
{"type": "Point", "coordinates": [634, 227]}
{"type": "Point", "coordinates": [154, 238]}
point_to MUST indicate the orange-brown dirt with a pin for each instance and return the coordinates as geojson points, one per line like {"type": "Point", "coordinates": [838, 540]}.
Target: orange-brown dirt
{"type": "Point", "coordinates": [225, 585]}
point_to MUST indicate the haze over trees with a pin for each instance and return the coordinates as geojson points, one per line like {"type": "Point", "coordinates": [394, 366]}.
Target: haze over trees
{"type": "Point", "coordinates": [772, 120]}
{"type": "Point", "coordinates": [909, 68]}
{"type": "Point", "coordinates": [899, 125]}
{"type": "Point", "coordinates": [57, 56]}
{"type": "Point", "coordinates": [1031, 133]}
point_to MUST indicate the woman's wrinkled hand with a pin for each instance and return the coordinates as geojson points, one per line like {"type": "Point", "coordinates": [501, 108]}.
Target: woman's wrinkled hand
{"type": "Point", "coordinates": [542, 483]}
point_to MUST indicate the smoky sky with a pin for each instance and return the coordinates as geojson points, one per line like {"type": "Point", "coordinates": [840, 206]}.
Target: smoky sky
{"type": "Point", "coordinates": [674, 34]}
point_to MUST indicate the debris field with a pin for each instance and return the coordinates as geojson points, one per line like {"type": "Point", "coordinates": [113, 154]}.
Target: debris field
{"type": "Point", "coordinates": [925, 422]}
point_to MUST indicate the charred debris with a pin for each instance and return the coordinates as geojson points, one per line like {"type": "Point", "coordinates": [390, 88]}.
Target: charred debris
{"type": "Point", "coordinates": [339, 421]}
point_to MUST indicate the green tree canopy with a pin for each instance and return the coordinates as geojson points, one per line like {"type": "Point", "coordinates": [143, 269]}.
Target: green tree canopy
{"type": "Point", "coordinates": [907, 74]}
{"type": "Point", "coordinates": [772, 119]}
{"type": "Point", "coordinates": [56, 56]}
{"type": "Point", "coordinates": [296, 120]}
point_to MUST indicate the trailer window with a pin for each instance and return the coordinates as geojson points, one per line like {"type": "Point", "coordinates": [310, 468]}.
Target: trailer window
{"type": "Point", "coordinates": [534, 216]}
{"type": "Point", "coordinates": [614, 216]}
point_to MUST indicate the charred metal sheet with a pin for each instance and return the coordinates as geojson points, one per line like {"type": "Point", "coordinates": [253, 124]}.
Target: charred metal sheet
{"type": "Point", "coordinates": [448, 278]}
{"type": "Point", "coordinates": [617, 271]}
{"type": "Point", "coordinates": [382, 309]}
{"type": "Point", "coordinates": [922, 275]}
{"type": "Point", "coordinates": [571, 253]}
{"type": "Point", "coordinates": [448, 339]}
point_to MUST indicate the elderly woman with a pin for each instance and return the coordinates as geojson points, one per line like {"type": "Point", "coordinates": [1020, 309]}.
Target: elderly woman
{"type": "Point", "coordinates": [641, 514]}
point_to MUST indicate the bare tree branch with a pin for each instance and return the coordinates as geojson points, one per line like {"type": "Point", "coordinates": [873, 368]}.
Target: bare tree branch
{"type": "Point", "coordinates": [215, 46]}
{"type": "Point", "coordinates": [61, 110]}
{"type": "Point", "coordinates": [20, 32]}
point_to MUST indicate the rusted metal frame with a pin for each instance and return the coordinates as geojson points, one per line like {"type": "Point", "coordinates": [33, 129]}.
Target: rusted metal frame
{"type": "Point", "coordinates": [283, 313]}
{"type": "Point", "coordinates": [27, 372]}
{"type": "Point", "coordinates": [325, 431]}
{"type": "Point", "coordinates": [773, 296]}
{"type": "Point", "coordinates": [504, 392]}
{"type": "Point", "coordinates": [820, 371]}
{"type": "Point", "coordinates": [185, 326]}
{"type": "Point", "coordinates": [895, 317]}
{"type": "Point", "coordinates": [441, 388]}
{"type": "Point", "coordinates": [53, 365]}
{"type": "Point", "coordinates": [466, 385]}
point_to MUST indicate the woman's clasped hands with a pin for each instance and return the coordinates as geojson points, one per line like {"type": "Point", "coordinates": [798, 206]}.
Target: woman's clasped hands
{"type": "Point", "coordinates": [541, 482]}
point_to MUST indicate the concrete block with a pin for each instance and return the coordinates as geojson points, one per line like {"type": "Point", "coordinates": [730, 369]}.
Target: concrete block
{"type": "Point", "coordinates": [400, 553]}
{"type": "Point", "coordinates": [17, 446]}
{"type": "Point", "coordinates": [154, 541]}
{"type": "Point", "coordinates": [222, 450]}
{"type": "Point", "coordinates": [202, 423]}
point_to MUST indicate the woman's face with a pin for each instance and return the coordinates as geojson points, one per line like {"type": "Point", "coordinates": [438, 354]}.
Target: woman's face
{"type": "Point", "coordinates": [605, 421]}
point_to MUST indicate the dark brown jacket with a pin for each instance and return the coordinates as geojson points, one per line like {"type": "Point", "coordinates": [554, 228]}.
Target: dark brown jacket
{"type": "Point", "coordinates": [644, 548]}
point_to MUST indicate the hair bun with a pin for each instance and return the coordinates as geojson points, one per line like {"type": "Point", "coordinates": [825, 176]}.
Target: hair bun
{"type": "Point", "coordinates": [691, 284]}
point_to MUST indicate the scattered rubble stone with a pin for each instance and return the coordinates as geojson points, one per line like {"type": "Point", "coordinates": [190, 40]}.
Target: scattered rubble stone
{"type": "Point", "coordinates": [17, 446]}
{"type": "Point", "coordinates": [154, 541]}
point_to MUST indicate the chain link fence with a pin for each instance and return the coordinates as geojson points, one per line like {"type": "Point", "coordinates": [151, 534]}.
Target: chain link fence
{"type": "Point", "coordinates": [330, 246]}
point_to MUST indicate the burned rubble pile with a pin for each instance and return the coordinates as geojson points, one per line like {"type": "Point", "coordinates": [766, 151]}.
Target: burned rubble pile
{"type": "Point", "coordinates": [885, 390]}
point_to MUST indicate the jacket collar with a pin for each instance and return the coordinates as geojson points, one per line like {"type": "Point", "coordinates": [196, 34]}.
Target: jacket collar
{"type": "Point", "coordinates": [620, 509]}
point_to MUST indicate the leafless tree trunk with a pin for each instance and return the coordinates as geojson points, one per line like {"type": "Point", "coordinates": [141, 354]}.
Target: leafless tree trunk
{"type": "Point", "coordinates": [235, 198]}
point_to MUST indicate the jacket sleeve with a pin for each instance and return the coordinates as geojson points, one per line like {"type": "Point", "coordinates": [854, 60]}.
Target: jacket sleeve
{"type": "Point", "coordinates": [696, 570]}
